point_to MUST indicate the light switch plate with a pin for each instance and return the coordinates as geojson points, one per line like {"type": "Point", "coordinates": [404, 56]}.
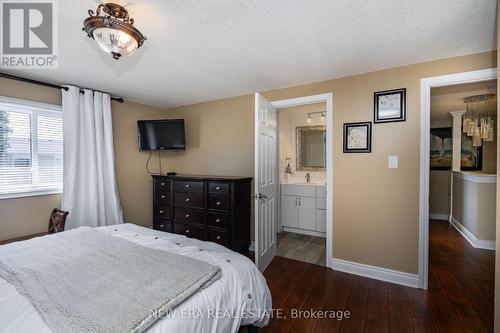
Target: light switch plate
{"type": "Point", "coordinates": [393, 162]}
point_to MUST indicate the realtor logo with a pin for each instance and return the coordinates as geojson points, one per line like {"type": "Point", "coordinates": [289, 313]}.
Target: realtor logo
{"type": "Point", "coordinates": [29, 34]}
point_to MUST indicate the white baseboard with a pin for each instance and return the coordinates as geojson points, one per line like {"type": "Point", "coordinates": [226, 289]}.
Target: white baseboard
{"type": "Point", "coordinates": [305, 232]}
{"type": "Point", "coordinates": [437, 216]}
{"type": "Point", "coordinates": [475, 242]}
{"type": "Point", "coordinates": [252, 246]}
{"type": "Point", "coordinates": [377, 273]}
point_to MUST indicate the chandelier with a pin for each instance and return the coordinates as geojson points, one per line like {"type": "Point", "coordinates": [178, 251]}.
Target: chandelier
{"type": "Point", "coordinates": [113, 31]}
{"type": "Point", "coordinates": [478, 121]}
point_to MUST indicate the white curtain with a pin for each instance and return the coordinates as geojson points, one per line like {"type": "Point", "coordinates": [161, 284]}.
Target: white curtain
{"type": "Point", "coordinates": [90, 194]}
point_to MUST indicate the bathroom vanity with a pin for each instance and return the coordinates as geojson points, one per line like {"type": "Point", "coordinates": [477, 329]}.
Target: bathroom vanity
{"type": "Point", "coordinates": [303, 208]}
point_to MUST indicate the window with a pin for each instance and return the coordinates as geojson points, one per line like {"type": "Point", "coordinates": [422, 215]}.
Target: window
{"type": "Point", "coordinates": [31, 148]}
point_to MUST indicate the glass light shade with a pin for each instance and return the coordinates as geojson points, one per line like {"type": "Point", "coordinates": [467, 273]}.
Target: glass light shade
{"type": "Point", "coordinates": [466, 124]}
{"type": "Point", "coordinates": [476, 138]}
{"type": "Point", "coordinates": [115, 41]}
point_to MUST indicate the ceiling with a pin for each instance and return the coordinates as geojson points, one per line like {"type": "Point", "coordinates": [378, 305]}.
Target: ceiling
{"type": "Point", "coordinates": [205, 50]}
{"type": "Point", "coordinates": [450, 98]}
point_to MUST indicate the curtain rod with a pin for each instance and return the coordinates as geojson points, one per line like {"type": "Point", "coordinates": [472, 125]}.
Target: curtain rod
{"type": "Point", "coordinates": [46, 84]}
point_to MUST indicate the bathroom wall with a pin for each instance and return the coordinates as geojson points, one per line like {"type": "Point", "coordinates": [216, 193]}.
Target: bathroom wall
{"type": "Point", "coordinates": [288, 120]}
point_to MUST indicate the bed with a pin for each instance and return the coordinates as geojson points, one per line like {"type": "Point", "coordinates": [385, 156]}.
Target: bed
{"type": "Point", "coordinates": [240, 296]}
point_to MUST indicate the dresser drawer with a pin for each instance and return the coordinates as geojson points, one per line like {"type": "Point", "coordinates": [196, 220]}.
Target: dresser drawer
{"type": "Point", "coordinates": [162, 225]}
{"type": "Point", "coordinates": [189, 200]}
{"type": "Point", "coordinates": [219, 202]}
{"type": "Point", "coordinates": [188, 186]}
{"type": "Point", "coordinates": [162, 195]}
{"type": "Point", "coordinates": [185, 215]}
{"type": "Point", "coordinates": [218, 220]}
{"type": "Point", "coordinates": [188, 230]}
{"type": "Point", "coordinates": [218, 187]}
{"type": "Point", "coordinates": [219, 237]}
{"type": "Point", "coordinates": [162, 211]}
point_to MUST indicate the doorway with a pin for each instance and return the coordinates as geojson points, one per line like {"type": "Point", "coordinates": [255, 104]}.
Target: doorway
{"type": "Point", "coordinates": [300, 199]}
{"type": "Point", "coordinates": [451, 83]}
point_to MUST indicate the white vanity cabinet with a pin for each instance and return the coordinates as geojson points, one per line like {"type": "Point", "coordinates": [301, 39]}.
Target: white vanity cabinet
{"type": "Point", "coordinates": [303, 209]}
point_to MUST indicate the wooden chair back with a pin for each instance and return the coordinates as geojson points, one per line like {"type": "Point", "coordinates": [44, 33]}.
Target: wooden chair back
{"type": "Point", "coordinates": [57, 220]}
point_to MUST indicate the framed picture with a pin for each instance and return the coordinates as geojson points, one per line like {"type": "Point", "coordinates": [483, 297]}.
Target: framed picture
{"type": "Point", "coordinates": [442, 150]}
{"type": "Point", "coordinates": [390, 106]}
{"type": "Point", "coordinates": [358, 137]}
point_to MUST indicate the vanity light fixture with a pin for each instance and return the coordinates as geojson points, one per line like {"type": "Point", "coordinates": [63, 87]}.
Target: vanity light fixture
{"type": "Point", "coordinates": [113, 30]}
{"type": "Point", "coordinates": [309, 119]}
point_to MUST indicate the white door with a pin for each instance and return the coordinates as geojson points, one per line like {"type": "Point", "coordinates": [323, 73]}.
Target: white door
{"type": "Point", "coordinates": [307, 213]}
{"type": "Point", "coordinates": [266, 184]}
{"type": "Point", "coordinates": [289, 213]}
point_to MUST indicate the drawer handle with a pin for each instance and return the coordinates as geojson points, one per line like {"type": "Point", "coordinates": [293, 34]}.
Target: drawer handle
{"type": "Point", "coordinates": [162, 184]}
{"type": "Point", "coordinates": [163, 197]}
{"type": "Point", "coordinates": [218, 203]}
{"type": "Point", "coordinates": [188, 186]}
{"type": "Point", "coordinates": [187, 199]}
{"type": "Point", "coordinates": [187, 216]}
{"type": "Point", "coordinates": [217, 188]}
{"type": "Point", "coordinates": [162, 226]}
{"type": "Point", "coordinates": [217, 220]}
{"type": "Point", "coordinates": [187, 231]}
{"type": "Point", "coordinates": [218, 237]}
{"type": "Point", "coordinates": [161, 211]}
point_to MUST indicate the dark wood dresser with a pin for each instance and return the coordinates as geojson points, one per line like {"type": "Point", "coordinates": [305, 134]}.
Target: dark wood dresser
{"type": "Point", "coordinates": [212, 208]}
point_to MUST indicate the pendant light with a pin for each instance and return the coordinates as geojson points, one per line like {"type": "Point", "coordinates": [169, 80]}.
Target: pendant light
{"type": "Point", "coordinates": [113, 31]}
{"type": "Point", "coordinates": [477, 123]}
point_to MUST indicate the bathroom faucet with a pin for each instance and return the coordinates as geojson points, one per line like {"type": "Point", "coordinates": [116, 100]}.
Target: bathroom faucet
{"type": "Point", "coordinates": [308, 177]}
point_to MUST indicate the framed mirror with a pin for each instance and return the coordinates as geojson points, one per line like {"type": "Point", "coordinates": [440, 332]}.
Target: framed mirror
{"type": "Point", "coordinates": [311, 148]}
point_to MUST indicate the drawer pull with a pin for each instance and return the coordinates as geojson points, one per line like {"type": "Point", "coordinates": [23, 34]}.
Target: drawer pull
{"type": "Point", "coordinates": [217, 220]}
{"type": "Point", "coordinates": [188, 186]}
{"type": "Point", "coordinates": [187, 199]}
{"type": "Point", "coordinates": [162, 184]}
{"type": "Point", "coordinates": [161, 211]}
{"type": "Point", "coordinates": [163, 197]}
{"type": "Point", "coordinates": [162, 226]}
{"type": "Point", "coordinates": [218, 203]}
{"type": "Point", "coordinates": [217, 188]}
{"type": "Point", "coordinates": [187, 216]}
{"type": "Point", "coordinates": [187, 231]}
{"type": "Point", "coordinates": [218, 237]}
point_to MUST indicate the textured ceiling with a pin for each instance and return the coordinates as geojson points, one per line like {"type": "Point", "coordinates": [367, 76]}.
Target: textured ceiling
{"type": "Point", "coordinates": [450, 98]}
{"type": "Point", "coordinates": [205, 50]}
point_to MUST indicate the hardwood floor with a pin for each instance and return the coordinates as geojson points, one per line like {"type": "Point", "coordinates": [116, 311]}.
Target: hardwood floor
{"type": "Point", "coordinates": [459, 298]}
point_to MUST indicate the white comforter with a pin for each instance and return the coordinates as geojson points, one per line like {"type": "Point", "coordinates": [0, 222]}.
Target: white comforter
{"type": "Point", "coordinates": [239, 297]}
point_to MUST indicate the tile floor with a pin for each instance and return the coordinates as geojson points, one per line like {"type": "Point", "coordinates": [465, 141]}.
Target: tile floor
{"type": "Point", "coordinates": [302, 247]}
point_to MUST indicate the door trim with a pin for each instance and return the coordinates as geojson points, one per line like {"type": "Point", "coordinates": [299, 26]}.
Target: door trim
{"type": "Point", "coordinates": [425, 115]}
{"type": "Point", "coordinates": [328, 99]}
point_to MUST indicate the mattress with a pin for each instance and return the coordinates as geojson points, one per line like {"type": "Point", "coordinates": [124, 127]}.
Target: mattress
{"type": "Point", "coordinates": [240, 297]}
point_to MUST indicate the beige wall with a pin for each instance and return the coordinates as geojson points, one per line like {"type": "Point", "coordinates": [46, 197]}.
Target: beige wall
{"type": "Point", "coordinates": [439, 192]}
{"type": "Point", "coordinates": [474, 206]}
{"type": "Point", "coordinates": [497, 258]}
{"type": "Point", "coordinates": [375, 208]}
{"type": "Point", "coordinates": [25, 216]}
{"type": "Point", "coordinates": [288, 120]}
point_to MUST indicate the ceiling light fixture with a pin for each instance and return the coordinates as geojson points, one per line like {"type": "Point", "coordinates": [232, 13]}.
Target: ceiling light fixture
{"type": "Point", "coordinates": [113, 31]}
{"type": "Point", "coordinates": [309, 119]}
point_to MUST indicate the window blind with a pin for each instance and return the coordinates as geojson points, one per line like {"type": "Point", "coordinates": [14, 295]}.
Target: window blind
{"type": "Point", "coordinates": [31, 148]}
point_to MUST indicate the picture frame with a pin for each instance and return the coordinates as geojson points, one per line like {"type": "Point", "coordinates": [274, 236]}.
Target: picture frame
{"type": "Point", "coordinates": [441, 147]}
{"type": "Point", "coordinates": [358, 137]}
{"type": "Point", "coordinates": [389, 106]}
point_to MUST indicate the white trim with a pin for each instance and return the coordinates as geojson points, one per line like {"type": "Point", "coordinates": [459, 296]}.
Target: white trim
{"type": "Point", "coordinates": [31, 193]}
{"type": "Point", "coordinates": [425, 104]}
{"type": "Point", "coordinates": [9, 102]}
{"type": "Point", "coordinates": [305, 232]}
{"type": "Point", "coordinates": [374, 272]}
{"type": "Point", "coordinates": [438, 216]}
{"type": "Point", "coordinates": [476, 178]}
{"type": "Point", "coordinates": [475, 242]}
{"type": "Point", "coordinates": [328, 99]}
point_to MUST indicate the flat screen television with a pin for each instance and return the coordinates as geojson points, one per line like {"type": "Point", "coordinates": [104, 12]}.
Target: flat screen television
{"type": "Point", "coordinates": [166, 134]}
